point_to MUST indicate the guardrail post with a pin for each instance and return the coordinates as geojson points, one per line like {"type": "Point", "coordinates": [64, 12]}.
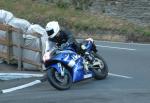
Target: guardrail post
{"type": "Point", "coordinates": [20, 51]}
{"type": "Point", "coordinates": [9, 39]}
{"type": "Point", "coordinates": [40, 40]}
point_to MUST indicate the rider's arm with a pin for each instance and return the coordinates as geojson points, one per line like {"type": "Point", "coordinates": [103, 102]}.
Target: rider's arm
{"type": "Point", "coordinates": [49, 46]}
{"type": "Point", "coordinates": [71, 39]}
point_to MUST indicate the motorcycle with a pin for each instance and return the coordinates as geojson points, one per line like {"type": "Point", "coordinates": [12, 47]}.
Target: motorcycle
{"type": "Point", "coordinates": [66, 67]}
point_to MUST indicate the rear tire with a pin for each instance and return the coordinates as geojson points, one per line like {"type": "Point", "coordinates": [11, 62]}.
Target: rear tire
{"type": "Point", "coordinates": [57, 81]}
{"type": "Point", "coordinates": [100, 70]}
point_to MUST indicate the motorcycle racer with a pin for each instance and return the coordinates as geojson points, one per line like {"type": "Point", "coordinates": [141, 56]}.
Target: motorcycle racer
{"type": "Point", "coordinates": [59, 37]}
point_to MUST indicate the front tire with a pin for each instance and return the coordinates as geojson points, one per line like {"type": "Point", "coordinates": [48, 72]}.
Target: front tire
{"type": "Point", "coordinates": [100, 67]}
{"type": "Point", "coordinates": [57, 81]}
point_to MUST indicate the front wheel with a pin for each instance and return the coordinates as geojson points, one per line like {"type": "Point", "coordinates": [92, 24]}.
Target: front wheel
{"type": "Point", "coordinates": [57, 81]}
{"type": "Point", "coordinates": [99, 67]}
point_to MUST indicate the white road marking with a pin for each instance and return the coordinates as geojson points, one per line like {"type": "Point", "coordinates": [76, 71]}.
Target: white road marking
{"type": "Point", "coordinates": [10, 76]}
{"type": "Point", "coordinates": [21, 87]}
{"type": "Point", "coordinates": [122, 76]}
{"type": "Point", "coordinates": [23, 74]}
{"type": "Point", "coordinates": [115, 47]}
{"type": "Point", "coordinates": [38, 81]}
{"type": "Point", "coordinates": [123, 43]}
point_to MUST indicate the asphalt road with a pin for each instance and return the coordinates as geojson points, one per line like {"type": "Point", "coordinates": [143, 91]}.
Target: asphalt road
{"type": "Point", "coordinates": [124, 60]}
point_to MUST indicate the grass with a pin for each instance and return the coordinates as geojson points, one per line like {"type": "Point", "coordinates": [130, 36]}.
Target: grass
{"type": "Point", "coordinates": [41, 12]}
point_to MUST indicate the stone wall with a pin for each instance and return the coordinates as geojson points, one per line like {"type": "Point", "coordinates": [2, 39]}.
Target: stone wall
{"type": "Point", "coordinates": [137, 11]}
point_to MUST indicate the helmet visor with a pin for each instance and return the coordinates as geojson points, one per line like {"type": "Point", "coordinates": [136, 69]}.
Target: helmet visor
{"type": "Point", "coordinates": [50, 32]}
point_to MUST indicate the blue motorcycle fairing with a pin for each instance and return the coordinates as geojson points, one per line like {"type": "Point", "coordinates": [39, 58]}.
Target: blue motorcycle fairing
{"type": "Point", "coordinates": [56, 66]}
{"type": "Point", "coordinates": [72, 60]}
{"type": "Point", "coordinates": [77, 70]}
{"type": "Point", "coordinates": [66, 57]}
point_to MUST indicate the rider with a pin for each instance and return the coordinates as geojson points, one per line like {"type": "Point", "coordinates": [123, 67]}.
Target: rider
{"type": "Point", "coordinates": [57, 37]}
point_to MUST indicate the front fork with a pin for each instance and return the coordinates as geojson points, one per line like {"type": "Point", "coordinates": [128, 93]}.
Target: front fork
{"type": "Point", "coordinates": [60, 69]}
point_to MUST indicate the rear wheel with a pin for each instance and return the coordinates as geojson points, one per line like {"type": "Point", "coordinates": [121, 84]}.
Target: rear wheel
{"type": "Point", "coordinates": [99, 67]}
{"type": "Point", "coordinates": [57, 81]}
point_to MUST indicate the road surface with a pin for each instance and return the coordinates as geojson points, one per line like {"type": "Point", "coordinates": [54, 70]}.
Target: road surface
{"type": "Point", "coordinates": [128, 80]}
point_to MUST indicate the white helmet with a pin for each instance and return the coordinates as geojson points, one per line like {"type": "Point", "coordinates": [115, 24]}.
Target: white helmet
{"type": "Point", "coordinates": [52, 28]}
